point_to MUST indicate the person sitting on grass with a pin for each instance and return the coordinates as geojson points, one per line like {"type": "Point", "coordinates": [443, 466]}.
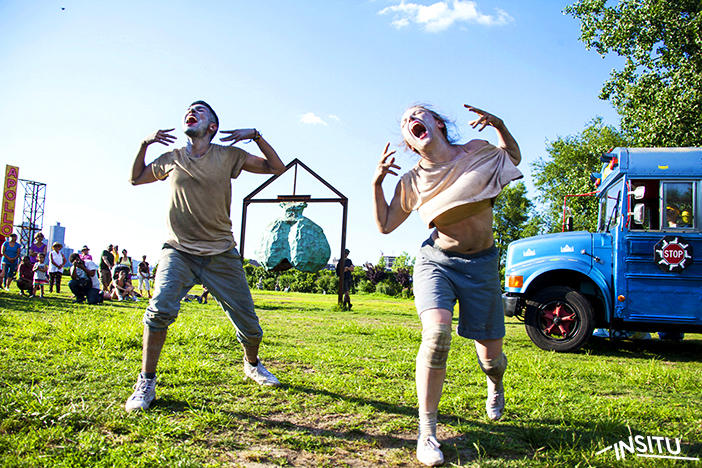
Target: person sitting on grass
{"type": "Point", "coordinates": [40, 274]}
{"type": "Point", "coordinates": [85, 282]}
{"type": "Point", "coordinates": [122, 287]}
{"type": "Point", "coordinates": [26, 274]}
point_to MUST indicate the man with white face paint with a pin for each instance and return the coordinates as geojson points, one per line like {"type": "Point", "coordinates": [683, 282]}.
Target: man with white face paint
{"type": "Point", "coordinates": [200, 248]}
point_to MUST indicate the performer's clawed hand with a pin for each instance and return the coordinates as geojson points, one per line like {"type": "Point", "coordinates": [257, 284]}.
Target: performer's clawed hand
{"type": "Point", "coordinates": [236, 136]}
{"type": "Point", "coordinates": [162, 136]}
{"type": "Point", "coordinates": [385, 165]}
{"type": "Point", "coordinates": [484, 120]}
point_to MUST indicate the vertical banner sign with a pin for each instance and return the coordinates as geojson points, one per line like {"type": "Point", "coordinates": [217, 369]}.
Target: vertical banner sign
{"type": "Point", "coordinates": [8, 200]}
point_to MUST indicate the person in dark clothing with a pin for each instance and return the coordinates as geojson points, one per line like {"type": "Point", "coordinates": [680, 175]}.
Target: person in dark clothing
{"type": "Point", "coordinates": [348, 279]}
{"type": "Point", "coordinates": [107, 261]}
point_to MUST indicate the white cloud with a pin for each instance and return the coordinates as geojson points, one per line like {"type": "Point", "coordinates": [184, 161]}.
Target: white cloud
{"type": "Point", "coordinates": [440, 16]}
{"type": "Point", "coordinates": [334, 118]}
{"type": "Point", "coordinates": [310, 118]}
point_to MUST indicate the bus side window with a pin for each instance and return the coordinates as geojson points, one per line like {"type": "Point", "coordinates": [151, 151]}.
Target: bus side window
{"type": "Point", "coordinates": [678, 198]}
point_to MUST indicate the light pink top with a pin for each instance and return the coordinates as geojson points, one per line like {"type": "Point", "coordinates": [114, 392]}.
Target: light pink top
{"type": "Point", "coordinates": [433, 189]}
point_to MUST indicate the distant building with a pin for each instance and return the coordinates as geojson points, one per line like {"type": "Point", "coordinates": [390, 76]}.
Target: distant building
{"type": "Point", "coordinates": [57, 234]}
{"type": "Point", "coordinates": [389, 261]}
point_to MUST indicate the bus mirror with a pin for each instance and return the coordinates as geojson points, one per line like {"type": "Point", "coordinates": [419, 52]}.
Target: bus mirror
{"type": "Point", "coordinates": [639, 213]}
{"type": "Point", "coordinates": [639, 192]}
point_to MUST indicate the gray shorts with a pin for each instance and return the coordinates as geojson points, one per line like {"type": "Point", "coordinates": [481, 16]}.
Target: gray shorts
{"type": "Point", "coordinates": [442, 277]}
{"type": "Point", "coordinates": [222, 274]}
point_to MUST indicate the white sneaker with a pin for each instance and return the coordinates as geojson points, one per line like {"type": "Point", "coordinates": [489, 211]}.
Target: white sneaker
{"type": "Point", "coordinates": [495, 405]}
{"type": "Point", "coordinates": [428, 451]}
{"type": "Point", "coordinates": [260, 374]}
{"type": "Point", "coordinates": [144, 394]}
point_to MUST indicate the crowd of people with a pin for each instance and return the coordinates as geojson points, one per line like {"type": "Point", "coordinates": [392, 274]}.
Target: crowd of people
{"type": "Point", "coordinates": [112, 279]}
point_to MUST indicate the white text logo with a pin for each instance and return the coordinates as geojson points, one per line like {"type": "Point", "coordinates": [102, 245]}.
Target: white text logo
{"type": "Point", "coordinates": [647, 446]}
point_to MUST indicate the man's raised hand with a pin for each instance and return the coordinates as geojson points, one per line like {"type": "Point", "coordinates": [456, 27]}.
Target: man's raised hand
{"type": "Point", "coordinates": [162, 136]}
{"type": "Point", "coordinates": [238, 135]}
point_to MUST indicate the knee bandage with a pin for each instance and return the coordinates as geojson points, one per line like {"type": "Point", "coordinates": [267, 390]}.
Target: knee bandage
{"type": "Point", "coordinates": [494, 367]}
{"type": "Point", "coordinates": [436, 342]}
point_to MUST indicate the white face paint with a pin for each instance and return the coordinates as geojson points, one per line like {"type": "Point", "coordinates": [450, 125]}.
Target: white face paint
{"type": "Point", "coordinates": [196, 121]}
{"type": "Point", "coordinates": [418, 127]}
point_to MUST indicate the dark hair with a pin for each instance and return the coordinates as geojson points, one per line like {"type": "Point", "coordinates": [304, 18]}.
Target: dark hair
{"type": "Point", "coordinates": [451, 137]}
{"type": "Point", "coordinates": [214, 114]}
{"type": "Point", "coordinates": [72, 257]}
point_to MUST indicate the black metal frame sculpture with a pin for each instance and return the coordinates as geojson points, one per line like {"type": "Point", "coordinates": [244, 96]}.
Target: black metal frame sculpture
{"type": "Point", "coordinates": [249, 199]}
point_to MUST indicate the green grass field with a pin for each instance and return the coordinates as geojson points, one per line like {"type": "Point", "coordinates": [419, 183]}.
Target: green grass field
{"type": "Point", "coordinates": [347, 399]}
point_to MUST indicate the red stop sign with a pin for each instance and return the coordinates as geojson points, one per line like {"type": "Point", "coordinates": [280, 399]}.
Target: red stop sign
{"type": "Point", "coordinates": [673, 254]}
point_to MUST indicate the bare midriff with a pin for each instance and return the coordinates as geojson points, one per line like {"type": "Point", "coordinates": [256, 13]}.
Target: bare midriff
{"type": "Point", "coordinates": [465, 229]}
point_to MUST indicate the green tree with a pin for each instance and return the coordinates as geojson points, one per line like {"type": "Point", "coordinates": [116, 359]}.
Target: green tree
{"type": "Point", "coordinates": [567, 172]}
{"type": "Point", "coordinates": [404, 260]}
{"type": "Point", "coordinates": [659, 91]}
{"type": "Point", "coordinates": [514, 217]}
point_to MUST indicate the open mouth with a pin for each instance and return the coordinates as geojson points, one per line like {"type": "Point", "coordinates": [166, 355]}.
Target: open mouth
{"type": "Point", "coordinates": [191, 119]}
{"type": "Point", "coordinates": [418, 130]}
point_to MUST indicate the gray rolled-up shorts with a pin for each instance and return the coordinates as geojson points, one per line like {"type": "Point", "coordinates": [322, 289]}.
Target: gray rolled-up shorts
{"type": "Point", "coordinates": [442, 277]}
{"type": "Point", "coordinates": [222, 274]}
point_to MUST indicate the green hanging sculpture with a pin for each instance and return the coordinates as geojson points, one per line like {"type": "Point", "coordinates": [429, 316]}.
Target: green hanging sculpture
{"type": "Point", "coordinates": [293, 241]}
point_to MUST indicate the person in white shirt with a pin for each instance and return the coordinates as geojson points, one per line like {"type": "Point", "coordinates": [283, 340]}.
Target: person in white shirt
{"type": "Point", "coordinates": [56, 263]}
{"type": "Point", "coordinates": [85, 282]}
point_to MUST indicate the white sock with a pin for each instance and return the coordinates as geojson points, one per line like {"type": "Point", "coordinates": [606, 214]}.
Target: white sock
{"type": "Point", "coordinates": [427, 423]}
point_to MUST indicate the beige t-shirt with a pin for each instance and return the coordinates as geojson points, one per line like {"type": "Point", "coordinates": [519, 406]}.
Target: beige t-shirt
{"type": "Point", "coordinates": [200, 197]}
{"type": "Point", "coordinates": [433, 189]}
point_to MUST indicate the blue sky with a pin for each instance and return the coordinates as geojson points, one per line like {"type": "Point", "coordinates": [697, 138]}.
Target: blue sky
{"type": "Point", "coordinates": [326, 82]}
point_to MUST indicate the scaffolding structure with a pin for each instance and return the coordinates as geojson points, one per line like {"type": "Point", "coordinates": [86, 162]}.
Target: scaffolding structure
{"type": "Point", "coordinates": [32, 213]}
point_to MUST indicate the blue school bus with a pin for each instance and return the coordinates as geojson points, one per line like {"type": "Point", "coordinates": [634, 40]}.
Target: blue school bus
{"type": "Point", "coordinates": [638, 272]}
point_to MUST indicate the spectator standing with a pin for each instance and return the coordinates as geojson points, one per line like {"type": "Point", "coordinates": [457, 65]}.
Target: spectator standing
{"type": "Point", "coordinates": [85, 253]}
{"type": "Point", "coordinates": [348, 279]}
{"type": "Point", "coordinates": [56, 263]}
{"type": "Point", "coordinates": [144, 275]}
{"type": "Point", "coordinates": [107, 261]}
{"type": "Point", "coordinates": [40, 274]}
{"type": "Point", "coordinates": [37, 247]}
{"type": "Point", "coordinates": [126, 260]}
{"type": "Point", "coordinates": [10, 256]}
